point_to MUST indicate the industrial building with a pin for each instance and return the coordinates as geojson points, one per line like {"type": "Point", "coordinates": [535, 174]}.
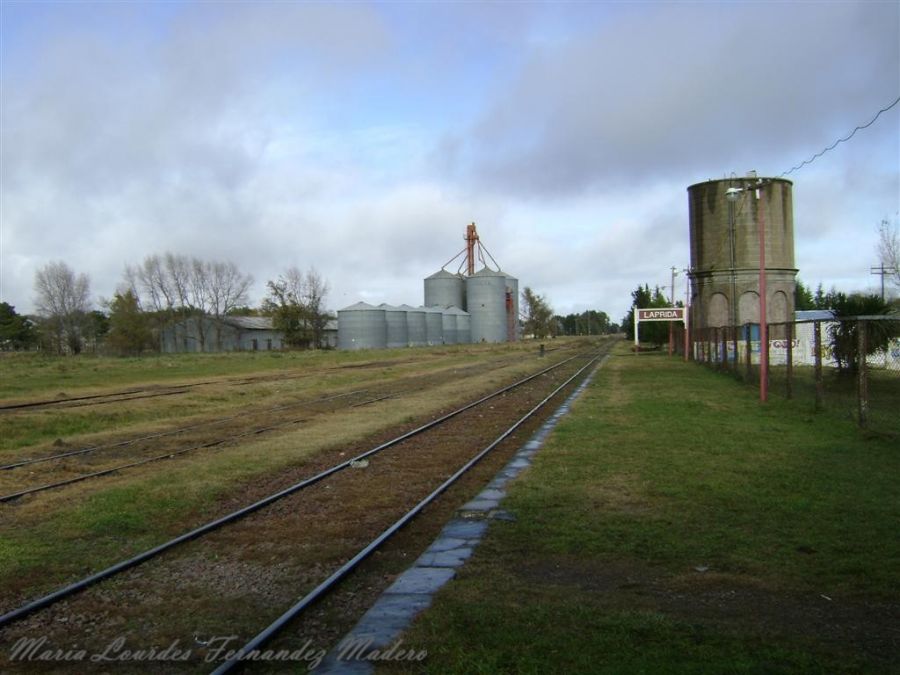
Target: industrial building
{"type": "Point", "coordinates": [458, 308]}
{"type": "Point", "coordinates": [725, 251]}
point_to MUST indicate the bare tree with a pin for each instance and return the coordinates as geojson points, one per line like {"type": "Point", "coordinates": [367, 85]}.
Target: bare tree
{"type": "Point", "coordinates": [889, 250]}
{"type": "Point", "coordinates": [175, 285]}
{"type": "Point", "coordinates": [63, 303]}
{"type": "Point", "coordinates": [315, 288]}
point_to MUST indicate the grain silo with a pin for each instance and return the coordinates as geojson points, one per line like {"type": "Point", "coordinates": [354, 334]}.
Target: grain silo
{"type": "Point", "coordinates": [415, 326]}
{"type": "Point", "coordinates": [448, 319]}
{"type": "Point", "coordinates": [724, 235]}
{"type": "Point", "coordinates": [362, 326]}
{"type": "Point", "coordinates": [444, 289]}
{"type": "Point", "coordinates": [397, 327]}
{"type": "Point", "coordinates": [463, 330]}
{"type": "Point", "coordinates": [512, 316]}
{"type": "Point", "coordinates": [486, 296]}
{"type": "Point", "coordinates": [434, 325]}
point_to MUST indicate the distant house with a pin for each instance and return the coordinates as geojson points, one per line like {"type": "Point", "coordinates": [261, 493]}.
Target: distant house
{"type": "Point", "coordinates": [232, 333]}
{"type": "Point", "coordinates": [330, 335]}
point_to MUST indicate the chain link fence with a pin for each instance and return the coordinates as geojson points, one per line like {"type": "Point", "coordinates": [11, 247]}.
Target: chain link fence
{"type": "Point", "coordinates": [850, 366]}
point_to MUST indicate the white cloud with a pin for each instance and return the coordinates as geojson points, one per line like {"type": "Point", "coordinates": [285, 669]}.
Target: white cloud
{"type": "Point", "coordinates": [362, 138]}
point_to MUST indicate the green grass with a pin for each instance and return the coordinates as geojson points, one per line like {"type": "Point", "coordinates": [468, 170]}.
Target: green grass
{"type": "Point", "coordinates": [663, 468]}
{"type": "Point", "coordinates": [29, 375]}
{"type": "Point", "coordinates": [63, 534]}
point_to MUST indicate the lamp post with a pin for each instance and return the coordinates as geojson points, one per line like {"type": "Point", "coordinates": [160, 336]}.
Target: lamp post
{"type": "Point", "coordinates": [672, 303]}
{"type": "Point", "coordinates": [732, 195]}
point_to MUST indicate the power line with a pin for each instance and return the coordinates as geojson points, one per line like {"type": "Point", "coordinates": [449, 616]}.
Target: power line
{"type": "Point", "coordinates": [841, 140]}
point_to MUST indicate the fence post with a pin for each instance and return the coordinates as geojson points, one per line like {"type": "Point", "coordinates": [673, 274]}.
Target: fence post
{"type": "Point", "coordinates": [789, 334]}
{"type": "Point", "coordinates": [734, 344]}
{"type": "Point", "coordinates": [749, 353]}
{"type": "Point", "coordinates": [863, 390]}
{"type": "Point", "coordinates": [718, 356]}
{"type": "Point", "coordinates": [725, 348]}
{"type": "Point", "coordinates": [817, 345]}
{"type": "Point", "coordinates": [764, 371]}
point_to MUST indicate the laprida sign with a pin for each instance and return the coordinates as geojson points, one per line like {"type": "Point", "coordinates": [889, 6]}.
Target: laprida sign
{"type": "Point", "coordinates": [661, 314]}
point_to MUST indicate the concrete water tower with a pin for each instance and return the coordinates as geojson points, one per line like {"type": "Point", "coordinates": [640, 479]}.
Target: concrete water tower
{"type": "Point", "coordinates": [724, 230]}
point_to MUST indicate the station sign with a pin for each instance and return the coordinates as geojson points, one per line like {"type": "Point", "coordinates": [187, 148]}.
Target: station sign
{"type": "Point", "coordinates": [661, 314]}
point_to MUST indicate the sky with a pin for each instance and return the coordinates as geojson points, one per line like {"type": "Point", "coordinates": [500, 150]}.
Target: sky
{"type": "Point", "coordinates": [360, 138]}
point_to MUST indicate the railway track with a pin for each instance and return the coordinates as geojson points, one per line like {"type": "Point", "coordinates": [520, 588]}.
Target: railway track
{"type": "Point", "coordinates": [395, 464]}
{"type": "Point", "coordinates": [156, 391]}
{"type": "Point", "coordinates": [255, 644]}
{"type": "Point", "coordinates": [70, 475]}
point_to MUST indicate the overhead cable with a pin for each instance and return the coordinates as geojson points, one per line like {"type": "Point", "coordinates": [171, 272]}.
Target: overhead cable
{"type": "Point", "coordinates": [841, 140]}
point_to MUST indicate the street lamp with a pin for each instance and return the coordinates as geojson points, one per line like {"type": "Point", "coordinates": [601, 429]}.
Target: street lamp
{"type": "Point", "coordinates": [732, 194]}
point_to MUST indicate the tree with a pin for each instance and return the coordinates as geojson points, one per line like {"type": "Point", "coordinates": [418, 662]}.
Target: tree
{"type": "Point", "coordinates": [129, 327]}
{"type": "Point", "coordinates": [844, 334]}
{"type": "Point", "coordinates": [641, 298]}
{"type": "Point", "coordinates": [96, 328]}
{"type": "Point", "coordinates": [889, 250]}
{"type": "Point", "coordinates": [590, 322]}
{"type": "Point", "coordinates": [16, 331]}
{"type": "Point", "coordinates": [176, 286]}
{"type": "Point", "coordinates": [538, 315]}
{"type": "Point", "coordinates": [62, 303]}
{"type": "Point", "coordinates": [296, 304]}
{"type": "Point", "coordinates": [803, 297]}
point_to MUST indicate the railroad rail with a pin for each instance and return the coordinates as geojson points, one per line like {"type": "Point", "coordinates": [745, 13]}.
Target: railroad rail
{"type": "Point", "coordinates": [174, 453]}
{"type": "Point", "coordinates": [169, 390]}
{"type": "Point", "coordinates": [235, 659]}
{"type": "Point", "coordinates": [84, 583]}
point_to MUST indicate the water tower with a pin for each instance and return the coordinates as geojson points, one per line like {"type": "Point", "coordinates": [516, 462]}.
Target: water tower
{"type": "Point", "coordinates": [724, 229]}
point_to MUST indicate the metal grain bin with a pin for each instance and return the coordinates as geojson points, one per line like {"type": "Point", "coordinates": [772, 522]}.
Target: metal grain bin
{"type": "Point", "coordinates": [486, 303]}
{"type": "Point", "coordinates": [463, 327]}
{"type": "Point", "coordinates": [362, 326]}
{"type": "Point", "coordinates": [434, 325]}
{"type": "Point", "coordinates": [397, 327]}
{"type": "Point", "coordinates": [415, 326]}
{"type": "Point", "coordinates": [444, 289]}
{"type": "Point", "coordinates": [448, 319]}
{"type": "Point", "coordinates": [512, 320]}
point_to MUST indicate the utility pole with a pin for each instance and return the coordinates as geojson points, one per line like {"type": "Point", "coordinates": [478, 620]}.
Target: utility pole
{"type": "Point", "coordinates": [882, 271]}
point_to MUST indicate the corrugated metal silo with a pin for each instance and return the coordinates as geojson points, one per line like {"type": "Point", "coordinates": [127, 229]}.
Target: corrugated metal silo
{"type": "Point", "coordinates": [448, 318]}
{"type": "Point", "coordinates": [397, 327]}
{"type": "Point", "coordinates": [415, 326]}
{"type": "Point", "coordinates": [462, 331]}
{"type": "Point", "coordinates": [463, 328]}
{"type": "Point", "coordinates": [444, 289]}
{"type": "Point", "coordinates": [434, 325]}
{"type": "Point", "coordinates": [486, 300]}
{"type": "Point", "coordinates": [512, 320]}
{"type": "Point", "coordinates": [362, 326]}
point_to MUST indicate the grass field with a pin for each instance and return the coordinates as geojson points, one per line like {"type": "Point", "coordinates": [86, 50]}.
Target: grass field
{"type": "Point", "coordinates": [672, 524]}
{"type": "Point", "coordinates": [47, 538]}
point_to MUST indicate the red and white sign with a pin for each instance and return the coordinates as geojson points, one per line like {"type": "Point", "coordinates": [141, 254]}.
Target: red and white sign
{"type": "Point", "coordinates": [661, 314]}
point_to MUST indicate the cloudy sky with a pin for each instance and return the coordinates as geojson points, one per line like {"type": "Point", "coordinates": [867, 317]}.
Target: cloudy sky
{"type": "Point", "coordinates": [361, 138]}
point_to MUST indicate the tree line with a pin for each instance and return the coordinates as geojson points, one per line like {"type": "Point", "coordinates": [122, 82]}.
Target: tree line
{"type": "Point", "coordinates": [539, 321]}
{"type": "Point", "coordinates": [163, 292]}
